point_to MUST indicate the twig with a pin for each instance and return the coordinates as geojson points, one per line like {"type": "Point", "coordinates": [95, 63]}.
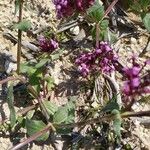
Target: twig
{"type": "Point", "coordinates": [8, 79]}
{"type": "Point", "coordinates": [109, 9]}
{"type": "Point", "coordinates": [136, 114]}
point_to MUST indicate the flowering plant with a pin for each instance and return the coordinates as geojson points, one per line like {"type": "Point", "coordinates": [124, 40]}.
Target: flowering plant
{"type": "Point", "coordinates": [100, 59]}
{"type": "Point", "coordinates": [47, 45]}
{"type": "Point", "coordinates": [42, 118]}
{"type": "Point", "coordinates": [134, 84]}
{"type": "Point", "coordinates": [66, 8]}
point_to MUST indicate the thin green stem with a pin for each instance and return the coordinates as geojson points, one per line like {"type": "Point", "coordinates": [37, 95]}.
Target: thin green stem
{"type": "Point", "coordinates": [97, 34]}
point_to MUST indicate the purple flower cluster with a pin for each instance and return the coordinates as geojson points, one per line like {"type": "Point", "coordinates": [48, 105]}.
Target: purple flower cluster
{"type": "Point", "coordinates": [100, 59]}
{"type": "Point", "coordinates": [65, 8]}
{"type": "Point", "coordinates": [47, 45]}
{"type": "Point", "coordinates": [135, 84]}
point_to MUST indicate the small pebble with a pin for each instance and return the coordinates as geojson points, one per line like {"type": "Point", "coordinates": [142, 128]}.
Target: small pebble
{"type": "Point", "coordinates": [75, 30]}
{"type": "Point", "coordinates": [133, 40]}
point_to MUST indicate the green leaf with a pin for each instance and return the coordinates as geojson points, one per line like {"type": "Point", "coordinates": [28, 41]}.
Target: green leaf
{"type": "Point", "coordinates": [71, 116]}
{"type": "Point", "coordinates": [135, 6]}
{"type": "Point", "coordinates": [50, 82]}
{"type": "Point", "coordinates": [96, 12]}
{"type": "Point", "coordinates": [111, 105]}
{"type": "Point", "coordinates": [51, 108]}
{"type": "Point", "coordinates": [30, 114]}
{"type": "Point", "coordinates": [61, 115]}
{"type": "Point", "coordinates": [104, 25]}
{"type": "Point", "coordinates": [23, 26]}
{"type": "Point", "coordinates": [65, 113]}
{"type": "Point", "coordinates": [56, 55]}
{"type": "Point", "coordinates": [146, 21]}
{"type": "Point", "coordinates": [20, 119]}
{"type": "Point", "coordinates": [103, 35]}
{"type": "Point", "coordinates": [117, 123]}
{"type": "Point", "coordinates": [27, 68]}
{"type": "Point", "coordinates": [34, 126]}
{"type": "Point", "coordinates": [41, 63]}
{"type": "Point", "coordinates": [71, 110]}
{"type": "Point", "coordinates": [109, 36]}
{"type": "Point", "coordinates": [71, 104]}
{"type": "Point", "coordinates": [35, 82]}
{"type": "Point", "coordinates": [144, 3]}
{"type": "Point", "coordinates": [10, 101]}
{"type": "Point", "coordinates": [64, 131]}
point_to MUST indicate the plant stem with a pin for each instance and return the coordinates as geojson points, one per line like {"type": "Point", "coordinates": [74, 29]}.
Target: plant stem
{"type": "Point", "coordinates": [35, 94]}
{"type": "Point", "coordinates": [104, 118]}
{"type": "Point", "coordinates": [109, 9]}
{"type": "Point", "coordinates": [98, 23]}
{"type": "Point", "coordinates": [32, 91]}
{"type": "Point", "coordinates": [71, 125]}
{"type": "Point", "coordinates": [97, 35]}
{"type": "Point", "coordinates": [19, 37]}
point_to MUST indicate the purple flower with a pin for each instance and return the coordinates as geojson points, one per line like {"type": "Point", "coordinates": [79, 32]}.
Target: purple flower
{"type": "Point", "coordinates": [147, 62]}
{"type": "Point", "coordinates": [47, 45]}
{"type": "Point", "coordinates": [100, 59]}
{"type": "Point", "coordinates": [66, 8]}
{"type": "Point", "coordinates": [84, 69]}
{"type": "Point", "coordinates": [131, 72]}
{"type": "Point", "coordinates": [134, 83]}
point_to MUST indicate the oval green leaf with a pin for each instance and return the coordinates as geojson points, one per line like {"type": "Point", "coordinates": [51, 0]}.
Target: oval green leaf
{"type": "Point", "coordinates": [34, 126]}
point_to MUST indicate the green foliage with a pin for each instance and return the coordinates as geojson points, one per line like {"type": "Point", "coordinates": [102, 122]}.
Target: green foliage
{"type": "Point", "coordinates": [10, 101]}
{"type": "Point", "coordinates": [30, 114]}
{"type": "Point", "coordinates": [65, 113]}
{"type": "Point", "coordinates": [117, 123]}
{"type": "Point", "coordinates": [111, 105]}
{"type": "Point", "coordinates": [139, 6]}
{"type": "Point", "coordinates": [35, 74]}
{"type": "Point", "coordinates": [51, 108]}
{"type": "Point", "coordinates": [50, 82]}
{"type": "Point", "coordinates": [41, 63]}
{"type": "Point", "coordinates": [56, 55]}
{"type": "Point", "coordinates": [61, 115]}
{"type": "Point", "coordinates": [24, 25]}
{"type": "Point", "coordinates": [96, 12]}
{"type": "Point", "coordinates": [146, 21]}
{"type": "Point", "coordinates": [34, 126]}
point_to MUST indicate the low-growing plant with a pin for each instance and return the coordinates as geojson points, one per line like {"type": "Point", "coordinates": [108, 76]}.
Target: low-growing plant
{"type": "Point", "coordinates": [44, 117]}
